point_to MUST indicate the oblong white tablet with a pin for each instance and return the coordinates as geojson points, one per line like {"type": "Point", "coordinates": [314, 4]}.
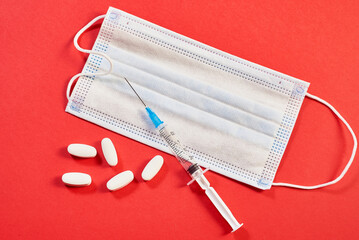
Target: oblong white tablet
{"type": "Point", "coordinates": [120, 180]}
{"type": "Point", "coordinates": [81, 150]}
{"type": "Point", "coordinates": [152, 168]}
{"type": "Point", "coordinates": [109, 152]}
{"type": "Point", "coordinates": [76, 179]}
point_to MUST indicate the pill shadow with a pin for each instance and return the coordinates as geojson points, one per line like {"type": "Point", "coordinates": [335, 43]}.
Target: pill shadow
{"type": "Point", "coordinates": [101, 158]}
{"type": "Point", "coordinates": [57, 181]}
{"type": "Point", "coordinates": [88, 161]}
{"type": "Point", "coordinates": [83, 190]}
{"type": "Point", "coordinates": [97, 160]}
{"type": "Point", "coordinates": [62, 152]}
{"type": "Point", "coordinates": [123, 192]}
{"type": "Point", "coordinates": [118, 168]}
{"type": "Point", "coordinates": [156, 180]}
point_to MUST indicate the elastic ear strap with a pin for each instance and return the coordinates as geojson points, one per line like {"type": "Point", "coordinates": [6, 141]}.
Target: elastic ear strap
{"type": "Point", "coordinates": [77, 46]}
{"type": "Point", "coordinates": [349, 162]}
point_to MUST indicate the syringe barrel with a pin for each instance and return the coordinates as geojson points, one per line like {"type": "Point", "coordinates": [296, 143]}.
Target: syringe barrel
{"type": "Point", "coordinates": [174, 144]}
{"type": "Point", "coordinates": [180, 152]}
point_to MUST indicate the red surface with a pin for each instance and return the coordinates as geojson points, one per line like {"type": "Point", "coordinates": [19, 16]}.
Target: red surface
{"type": "Point", "coordinates": [314, 41]}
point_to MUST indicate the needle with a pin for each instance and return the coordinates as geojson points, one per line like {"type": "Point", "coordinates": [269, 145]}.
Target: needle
{"type": "Point", "coordinates": [135, 92]}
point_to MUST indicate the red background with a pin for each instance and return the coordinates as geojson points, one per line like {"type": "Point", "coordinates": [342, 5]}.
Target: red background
{"type": "Point", "coordinates": [314, 41]}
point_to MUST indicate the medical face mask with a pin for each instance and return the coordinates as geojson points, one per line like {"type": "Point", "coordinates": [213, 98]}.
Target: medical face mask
{"type": "Point", "coordinates": [234, 116]}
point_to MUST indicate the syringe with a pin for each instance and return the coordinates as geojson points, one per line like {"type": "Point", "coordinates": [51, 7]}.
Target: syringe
{"type": "Point", "coordinates": [189, 164]}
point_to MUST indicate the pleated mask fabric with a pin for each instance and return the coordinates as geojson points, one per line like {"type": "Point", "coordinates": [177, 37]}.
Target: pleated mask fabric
{"type": "Point", "coordinates": [234, 116]}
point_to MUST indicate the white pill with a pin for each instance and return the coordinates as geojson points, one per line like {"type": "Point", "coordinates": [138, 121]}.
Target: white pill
{"type": "Point", "coordinates": [109, 152]}
{"type": "Point", "coordinates": [82, 150]}
{"type": "Point", "coordinates": [152, 168]}
{"type": "Point", "coordinates": [120, 180]}
{"type": "Point", "coordinates": [76, 179]}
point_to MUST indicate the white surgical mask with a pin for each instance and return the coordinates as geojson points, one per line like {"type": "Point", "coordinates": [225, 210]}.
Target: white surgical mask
{"type": "Point", "coordinates": [234, 116]}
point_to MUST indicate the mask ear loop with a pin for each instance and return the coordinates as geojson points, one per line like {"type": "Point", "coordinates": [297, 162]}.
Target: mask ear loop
{"type": "Point", "coordinates": [77, 46]}
{"type": "Point", "coordinates": [349, 162]}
